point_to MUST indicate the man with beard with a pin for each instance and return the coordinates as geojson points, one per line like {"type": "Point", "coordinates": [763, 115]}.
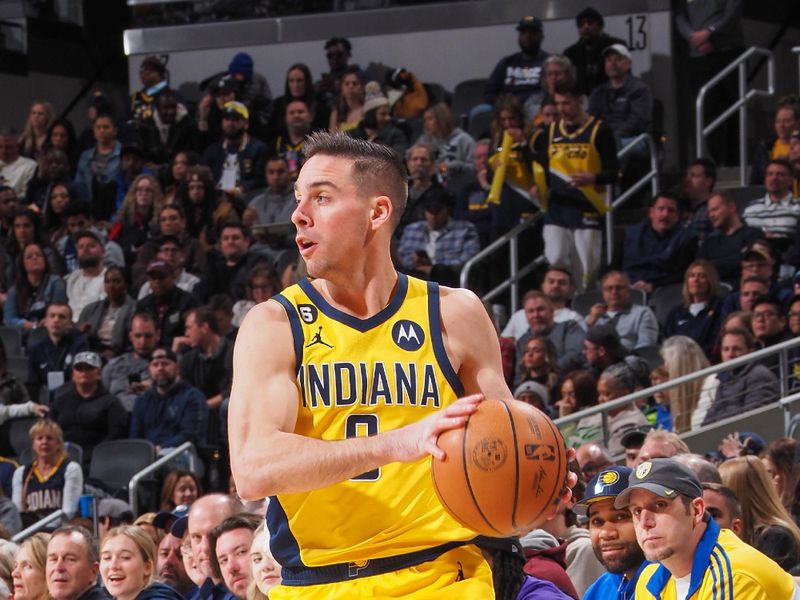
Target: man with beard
{"type": "Point", "coordinates": [587, 53]}
{"type": "Point", "coordinates": [421, 184]}
{"type": "Point", "coordinates": [613, 536]}
{"type": "Point", "coordinates": [227, 267]}
{"type": "Point", "coordinates": [520, 74]}
{"type": "Point", "coordinates": [167, 303]}
{"type": "Point", "coordinates": [237, 161]}
{"type": "Point", "coordinates": [169, 565]}
{"type": "Point", "coordinates": [171, 412]}
{"type": "Point", "coordinates": [694, 557]}
{"type": "Point", "coordinates": [297, 125]}
{"type": "Point", "coordinates": [86, 284]}
{"type": "Point", "coordinates": [126, 376]}
{"type": "Point", "coordinates": [276, 203]}
{"type": "Point", "coordinates": [169, 129]}
{"type": "Point", "coordinates": [53, 168]}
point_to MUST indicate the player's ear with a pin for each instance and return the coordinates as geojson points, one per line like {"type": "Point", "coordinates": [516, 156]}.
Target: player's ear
{"type": "Point", "coordinates": [381, 210]}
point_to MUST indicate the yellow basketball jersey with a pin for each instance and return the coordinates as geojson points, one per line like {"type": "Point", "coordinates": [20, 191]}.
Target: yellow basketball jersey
{"type": "Point", "coordinates": [361, 377]}
{"type": "Point", "coordinates": [571, 153]}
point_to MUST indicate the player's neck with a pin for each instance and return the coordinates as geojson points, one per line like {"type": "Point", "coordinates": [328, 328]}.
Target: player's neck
{"type": "Point", "coordinates": [362, 293]}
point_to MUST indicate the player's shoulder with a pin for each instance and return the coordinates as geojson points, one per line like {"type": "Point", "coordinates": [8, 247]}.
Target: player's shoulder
{"type": "Point", "coordinates": [458, 301]}
{"type": "Point", "coordinates": [267, 314]}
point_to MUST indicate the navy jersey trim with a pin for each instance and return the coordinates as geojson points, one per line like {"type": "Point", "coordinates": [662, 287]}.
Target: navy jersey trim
{"type": "Point", "coordinates": [361, 325]}
{"type": "Point", "coordinates": [434, 319]}
{"type": "Point", "coordinates": [282, 543]}
{"type": "Point", "coordinates": [297, 330]}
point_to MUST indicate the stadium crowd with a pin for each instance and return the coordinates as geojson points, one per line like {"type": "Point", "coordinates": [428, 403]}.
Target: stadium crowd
{"type": "Point", "coordinates": [131, 252]}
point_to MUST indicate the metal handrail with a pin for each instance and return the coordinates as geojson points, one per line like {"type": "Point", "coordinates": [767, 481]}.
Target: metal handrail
{"type": "Point", "coordinates": [796, 50]}
{"type": "Point", "coordinates": [133, 484]}
{"type": "Point", "coordinates": [604, 408]}
{"type": "Point", "coordinates": [515, 273]}
{"type": "Point", "coordinates": [702, 132]}
{"type": "Point", "coordinates": [650, 177]}
{"type": "Point", "coordinates": [39, 525]}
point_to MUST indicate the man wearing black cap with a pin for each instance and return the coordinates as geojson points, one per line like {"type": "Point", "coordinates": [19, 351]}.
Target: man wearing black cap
{"type": "Point", "coordinates": [602, 348]}
{"type": "Point", "coordinates": [587, 53]}
{"type": "Point", "coordinates": [439, 246]}
{"type": "Point", "coordinates": [152, 74]}
{"type": "Point", "coordinates": [167, 303]}
{"type": "Point", "coordinates": [169, 129]}
{"type": "Point", "coordinates": [613, 536]}
{"type": "Point", "coordinates": [520, 74]}
{"type": "Point", "coordinates": [694, 557]}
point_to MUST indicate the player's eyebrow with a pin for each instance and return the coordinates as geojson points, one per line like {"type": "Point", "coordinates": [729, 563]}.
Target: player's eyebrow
{"type": "Point", "coordinates": [317, 184]}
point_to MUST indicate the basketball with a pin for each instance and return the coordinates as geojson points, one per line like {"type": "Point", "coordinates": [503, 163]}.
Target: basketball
{"type": "Point", "coordinates": [504, 469]}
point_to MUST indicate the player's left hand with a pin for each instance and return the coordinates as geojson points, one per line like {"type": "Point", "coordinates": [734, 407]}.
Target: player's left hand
{"type": "Point", "coordinates": [582, 178]}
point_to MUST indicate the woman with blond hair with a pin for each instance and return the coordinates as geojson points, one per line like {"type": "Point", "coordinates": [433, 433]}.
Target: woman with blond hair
{"type": "Point", "coordinates": [265, 572]}
{"type": "Point", "coordinates": [682, 355]}
{"type": "Point", "coordinates": [51, 481]}
{"type": "Point", "coordinates": [138, 215]}
{"type": "Point", "coordinates": [29, 563]}
{"type": "Point", "coordinates": [765, 523]}
{"type": "Point", "coordinates": [128, 564]}
{"type": "Point", "coordinates": [778, 460]}
{"type": "Point", "coordinates": [40, 117]}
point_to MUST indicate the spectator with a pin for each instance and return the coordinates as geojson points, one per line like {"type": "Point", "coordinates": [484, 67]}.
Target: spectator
{"type": "Point", "coordinates": [205, 213]}
{"type": "Point", "coordinates": [178, 171]}
{"type": "Point", "coordinates": [699, 317]}
{"type": "Point", "coordinates": [454, 148]}
{"type": "Point", "coordinates": [556, 69]}
{"type": "Point", "coordinates": [723, 505]}
{"type": "Point", "coordinates": [698, 186]}
{"type": "Point", "coordinates": [106, 321]}
{"type": "Point", "coordinates": [578, 391]}
{"type": "Point", "coordinates": [128, 564]}
{"type": "Point", "coordinates": [602, 348]}
{"type": "Point", "coordinates": [349, 108]}
{"type": "Point", "coordinates": [766, 525]}
{"type": "Point", "coordinates": [237, 162]}
{"type": "Point", "coordinates": [794, 159]}
{"type": "Point", "coordinates": [180, 488]}
{"type": "Point", "coordinates": [682, 355]}
{"type": "Point", "coordinates": [230, 543]}
{"type": "Point", "coordinates": [615, 382]}
{"type": "Point", "coordinates": [8, 207]}
{"type": "Point", "coordinates": [72, 565]}
{"type": "Point", "coordinates": [169, 566]}
{"type": "Point", "coordinates": [632, 441]}
{"type": "Point", "coordinates": [61, 136]}
{"type": "Point", "coordinates": [705, 470]}
{"type": "Point", "coordinates": [51, 481]}
{"type": "Point", "coordinates": [559, 288]}
{"type": "Point", "coordinates": [592, 457]}
{"type": "Point", "coordinates": [679, 536]}
{"type": "Point", "coordinates": [297, 124]}
{"type": "Point", "coordinates": [624, 102]}
{"type": "Point", "coordinates": [87, 283]}
{"type": "Point", "coordinates": [170, 251]}
{"type": "Point", "coordinates": [50, 360]}
{"type": "Point", "coordinates": [99, 166]}
{"type": "Point", "coordinates": [222, 307]}
{"type": "Point", "coordinates": [15, 171]}
{"type": "Point", "coordinates": [26, 228]}
{"type": "Point", "coordinates": [251, 87]}
{"type": "Point", "coordinates": [300, 86]}
{"type": "Point", "coordinates": [167, 303]}
{"type": "Point", "coordinates": [172, 411]}
{"type": "Point", "coordinates": [787, 119]}
{"type": "Point", "coordinates": [377, 126]}
{"type": "Point", "coordinates": [587, 53]}
{"type": "Point", "coordinates": [546, 558]}
{"type": "Point", "coordinates": [613, 536]}
{"type": "Point", "coordinates": [661, 444]}
{"type": "Point", "coordinates": [520, 74]}
{"type": "Point", "coordinates": [34, 289]}
{"type": "Point", "coordinates": [228, 266]}
{"type": "Point", "coordinates": [566, 336]}
{"type": "Point", "coordinates": [40, 117]}
{"type": "Point", "coordinates": [210, 109]}
{"type": "Point", "coordinates": [742, 388]}
{"type": "Point", "coordinates": [262, 284]}
{"type": "Point", "coordinates": [422, 180]}
{"type": "Point", "coordinates": [752, 288]}
{"type": "Point", "coordinates": [54, 214]}
{"type": "Point", "coordinates": [78, 219]}
{"type": "Point", "coordinates": [778, 460]}
{"type": "Point", "coordinates": [438, 247]}
{"type": "Point", "coordinates": [769, 325]}
{"type": "Point", "coordinates": [471, 200]}
{"type": "Point", "coordinates": [338, 52]}
{"type": "Point", "coordinates": [276, 203]}
{"type": "Point", "coordinates": [53, 168]}
{"type": "Point", "coordinates": [137, 215]}
{"type": "Point", "coordinates": [724, 246]}
{"type": "Point", "coordinates": [168, 130]}
{"type": "Point", "coordinates": [635, 324]}
{"type": "Point", "coordinates": [171, 223]}
{"type": "Point", "coordinates": [535, 394]}
{"type": "Point", "coordinates": [778, 212]}
{"type": "Point", "coordinates": [208, 363]}
{"type": "Point", "coordinates": [576, 199]}
{"type": "Point", "coordinates": [131, 164]}
{"type": "Point", "coordinates": [29, 564]}
{"type": "Point", "coordinates": [153, 75]}
{"type": "Point", "coordinates": [85, 410]}
{"type": "Point", "coordinates": [14, 399]}
{"type": "Point", "coordinates": [113, 512]}
{"type": "Point", "coordinates": [127, 376]}
{"type": "Point", "coordinates": [657, 251]}
{"type": "Point", "coordinates": [265, 572]}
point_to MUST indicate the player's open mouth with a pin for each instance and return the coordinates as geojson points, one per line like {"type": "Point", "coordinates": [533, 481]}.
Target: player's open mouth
{"type": "Point", "coordinates": [304, 244]}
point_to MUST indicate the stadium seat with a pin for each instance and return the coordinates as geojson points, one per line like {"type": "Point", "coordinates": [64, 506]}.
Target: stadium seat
{"type": "Point", "coordinates": [35, 336]}
{"type": "Point", "coordinates": [664, 299]}
{"type": "Point", "coordinates": [582, 303]}
{"type": "Point", "coordinates": [480, 125]}
{"type": "Point", "coordinates": [12, 341]}
{"type": "Point", "coordinates": [18, 434]}
{"type": "Point", "coordinates": [467, 94]}
{"type": "Point", "coordinates": [18, 367]}
{"type": "Point", "coordinates": [437, 93]}
{"type": "Point", "coordinates": [651, 354]}
{"type": "Point", "coordinates": [115, 462]}
{"type": "Point", "coordinates": [74, 452]}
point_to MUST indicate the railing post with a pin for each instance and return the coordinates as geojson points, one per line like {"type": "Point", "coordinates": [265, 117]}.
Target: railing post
{"type": "Point", "coordinates": [700, 137]}
{"type": "Point", "coordinates": [783, 371]}
{"type": "Point", "coordinates": [513, 265]}
{"type": "Point", "coordinates": [609, 223]}
{"type": "Point", "coordinates": [742, 125]}
{"type": "Point", "coordinates": [606, 433]}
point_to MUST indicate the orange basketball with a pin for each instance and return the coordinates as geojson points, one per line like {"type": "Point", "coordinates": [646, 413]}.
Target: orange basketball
{"type": "Point", "coordinates": [504, 470]}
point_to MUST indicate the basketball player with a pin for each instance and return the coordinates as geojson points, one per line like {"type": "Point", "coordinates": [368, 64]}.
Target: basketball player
{"type": "Point", "coordinates": [342, 385]}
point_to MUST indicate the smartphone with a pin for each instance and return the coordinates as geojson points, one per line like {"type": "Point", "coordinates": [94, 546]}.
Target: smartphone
{"type": "Point", "coordinates": [134, 378]}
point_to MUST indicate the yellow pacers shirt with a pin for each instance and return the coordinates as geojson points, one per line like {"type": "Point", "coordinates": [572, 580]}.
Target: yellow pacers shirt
{"type": "Point", "coordinates": [361, 377]}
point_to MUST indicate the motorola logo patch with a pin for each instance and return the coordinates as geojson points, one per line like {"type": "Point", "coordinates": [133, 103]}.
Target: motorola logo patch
{"type": "Point", "coordinates": [408, 335]}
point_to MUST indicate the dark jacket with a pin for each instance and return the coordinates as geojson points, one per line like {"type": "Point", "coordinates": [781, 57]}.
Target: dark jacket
{"type": "Point", "coordinates": [627, 110]}
{"type": "Point", "coordinates": [725, 252]}
{"type": "Point", "coordinates": [516, 74]}
{"type": "Point", "coordinates": [93, 314]}
{"type": "Point", "coordinates": [211, 591]}
{"type": "Point", "coordinates": [88, 421]}
{"type": "Point", "coordinates": [550, 564]}
{"type": "Point", "coordinates": [182, 135]}
{"type": "Point", "coordinates": [159, 591]}
{"type": "Point", "coordinates": [568, 339]}
{"type": "Point", "coordinates": [12, 391]}
{"type": "Point", "coordinates": [95, 593]}
{"type": "Point", "coordinates": [702, 328]}
{"type": "Point", "coordinates": [587, 56]}
{"type": "Point", "coordinates": [220, 278]}
{"type": "Point", "coordinates": [654, 258]}
{"type": "Point", "coordinates": [170, 319]}
{"type": "Point", "coordinates": [172, 419]}
{"type": "Point", "coordinates": [778, 543]}
{"type": "Point", "coordinates": [210, 374]}
{"type": "Point", "coordinates": [741, 390]}
{"type": "Point", "coordinates": [193, 254]}
{"type": "Point", "coordinates": [45, 356]}
{"type": "Point", "coordinates": [252, 160]}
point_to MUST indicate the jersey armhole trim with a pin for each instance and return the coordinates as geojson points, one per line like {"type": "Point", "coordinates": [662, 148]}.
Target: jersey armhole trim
{"type": "Point", "coordinates": [297, 330]}
{"type": "Point", "coordinates": [434, 318]}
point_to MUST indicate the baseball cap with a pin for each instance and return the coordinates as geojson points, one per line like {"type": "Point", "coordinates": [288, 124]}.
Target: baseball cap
{"type": "Point", "coordinates": [226, 85]}
{"type": "Point", "coordinates": [437, 198]}
{"type": "Point", "coordinates": [166, 518]}
{"type": "Point", "coordinates": [608, 483]}
{"type": "Point", "coordinates": [635, 436]}
{"type": "Point", "coordinates": [152, 63]}
{"type": "Point", "coordinates": [533, 387]}
{"type": "Point", "coordinates": [590, 14]}
{"type": "Point", "coordinates": [795, 134]}
{"type": "Point", "coordinates": [620, 49]}
{"type": "Point", "coordinates": [178, 528]}
{"type": "Point", "coordinates": [664, 477]}
{"type": "Point", "coordinates": [236, 109]}
{"type": "Point", "coordinates": [758, 249]}
{"type": "Point", "coordinates": [88, 358]}
{"type": "Point", "coordinates": [163, 353]}
{"type": "Point", "coordinates": [113, 507]}
{"type": "Point", "coordinates": [159, 266]}
{"type": "Point", "coordinates": [529, 22]}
